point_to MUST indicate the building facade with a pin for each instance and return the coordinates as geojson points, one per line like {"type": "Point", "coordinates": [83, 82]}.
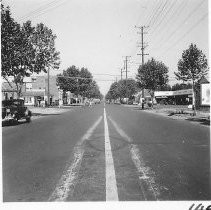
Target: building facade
{"type": "Point", "coordinates": [36, 91]}
{"type": "Point", "coordinates": [8, 91]}
{"type": "Point", "coordinates": [177, 97]}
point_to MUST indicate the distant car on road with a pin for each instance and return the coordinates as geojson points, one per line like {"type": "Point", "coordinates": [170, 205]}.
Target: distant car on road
{"type": "Point", "coordinates": [14, 110]}
{"type": "Point", "coordinates": [96, 101]}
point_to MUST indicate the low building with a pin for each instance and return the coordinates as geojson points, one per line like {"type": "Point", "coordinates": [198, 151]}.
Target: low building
{"type": "Point", "coordinates": [177, 97]}
{"type": "Point", "coordinates": [8, 91]}
{"type": "Point", "coordinates": [36, 91]}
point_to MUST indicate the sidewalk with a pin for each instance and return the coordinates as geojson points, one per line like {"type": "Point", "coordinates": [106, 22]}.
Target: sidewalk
{"type": "Point", "coordinates": [41, 111]}
{"type": "Point", "coordinates": [179, 113]}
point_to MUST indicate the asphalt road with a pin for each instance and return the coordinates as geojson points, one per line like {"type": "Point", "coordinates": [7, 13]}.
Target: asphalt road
{"type": "Point", "coordinates": [105, 153]}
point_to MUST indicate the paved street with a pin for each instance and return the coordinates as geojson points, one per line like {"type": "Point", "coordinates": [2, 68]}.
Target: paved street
{"type": "Point", "coordinates": [106, 152]}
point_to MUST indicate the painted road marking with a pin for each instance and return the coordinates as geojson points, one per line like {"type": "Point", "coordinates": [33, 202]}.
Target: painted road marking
{"type": "Point", "coordinates": [66, 184]}
{"type": "Point", "coordinates": [111, 186]}
{"type": "Point", "coordinates": [146, 179]}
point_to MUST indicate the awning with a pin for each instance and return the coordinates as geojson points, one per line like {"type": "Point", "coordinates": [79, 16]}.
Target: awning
{"type": "Point", "coordinates": [161, 97]}
{"type": "Point", "coordinates": [34, 93]}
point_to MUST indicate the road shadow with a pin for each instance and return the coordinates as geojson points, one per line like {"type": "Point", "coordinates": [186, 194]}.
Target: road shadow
{"type": "Point", "coordinates": [203, 121]}
{"type": "Point", "coordinates": [10, 124]}
{"type": "Point", "coordinates": [40, 114]}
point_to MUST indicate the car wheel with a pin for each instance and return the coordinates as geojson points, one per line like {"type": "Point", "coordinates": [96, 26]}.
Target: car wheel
{"type": "Point", "coordinates": [15, 121]}
{"type": "Point", "coordinates": [28, 119]}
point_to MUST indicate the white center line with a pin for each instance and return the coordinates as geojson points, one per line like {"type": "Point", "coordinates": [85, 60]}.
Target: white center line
{"type": "Point", "coordinates": [147, 183]}
{"type": "Point", "coordinates": [66, 184]}
{"type": "Point", "coordinates": [111, 187]}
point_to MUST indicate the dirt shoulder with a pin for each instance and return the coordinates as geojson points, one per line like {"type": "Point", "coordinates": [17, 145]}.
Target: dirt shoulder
{"type": "Point", "coordinates": [179, 113]}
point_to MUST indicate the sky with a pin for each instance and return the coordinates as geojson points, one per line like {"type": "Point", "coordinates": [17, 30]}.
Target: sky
{"type": "Point", "coordinates": [98, 34]}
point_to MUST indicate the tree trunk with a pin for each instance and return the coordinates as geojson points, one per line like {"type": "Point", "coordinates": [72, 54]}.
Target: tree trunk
{"type": "Point", "coordinates": [152, 101]}
{"type": "Point", "coordinates": [193, 100]}
{"type": "Point", "coordinates": [18, 91]}
{"type": "Point", "coordinates": [143, 100]}
{"type": "Point", "coordinates": [152, 96]}
{"type": "Point", "coordinates": [8, 81]}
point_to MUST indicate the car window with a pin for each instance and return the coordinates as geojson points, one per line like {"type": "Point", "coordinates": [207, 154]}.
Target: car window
{"type": "Point", "coordinates": [11, 103]}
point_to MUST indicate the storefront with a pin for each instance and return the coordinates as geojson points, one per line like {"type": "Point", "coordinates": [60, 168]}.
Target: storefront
{"type": "Point", "coordinates": [178, 97]}
{"type": "Point", "coordinates": [34, 98]}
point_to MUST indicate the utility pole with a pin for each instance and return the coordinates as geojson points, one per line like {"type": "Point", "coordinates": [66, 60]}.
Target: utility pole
{"type": "Point", "coordinates": [126, 60]}
{"type": "Point", "coordinates": [125, 66]}
{"type": "Point", "coordinates": [143, 46]}
{"type": "Point", "coordinates": [121, 74]}
{"type": "Point", "coordinates": [48, 86]}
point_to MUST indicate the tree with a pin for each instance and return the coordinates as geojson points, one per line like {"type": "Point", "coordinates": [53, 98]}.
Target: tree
{"type": "Point", "coordinates": [114, 91]}
{"type": "Point", "coordinates": [181, 86]}
{"type": "Point", "coordinates": [191, 67]}
{"type": "Point", "coordinates": [86, 84]}
{"type": "Point", "coordinates": [108, 96]}
{"type": "Point", "coordinates": [68, 81]}
{"type": "Point", "coordinates": [26, 49]}
{"type": "Point", "coordinates": [46, 56]}
{"type": "Point", "coordinates": [127, 88]}
{"type": "Point", "coordinates": [122, 89]}
{"type": "Point", "coordinates": [79, 82]}
{"type": "Point", "coordinates": [10, 31]}
{"type": "Point", "coordinates": [166, 87]}
{"type": "Point", "coordinates": [153, 76]}
{"type": "Point", "coordinates": [93, 91]}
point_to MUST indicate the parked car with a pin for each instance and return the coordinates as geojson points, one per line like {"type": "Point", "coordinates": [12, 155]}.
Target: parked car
{"type": "Point", "coordinates": [130, 102]}
{"type": "Point", "coordinates": [14, 110]}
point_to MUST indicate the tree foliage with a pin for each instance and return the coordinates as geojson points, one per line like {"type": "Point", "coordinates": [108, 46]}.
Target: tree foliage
{"type": "Point", "coordinates": [114, 91]}
{"type": "Point", "coordinates": [9, 37]}
{"type": "Point", "coordinates": [192, 66]}
{"type": "Point", "coordinates": [68, 81]}
{"type": "Point", "coordinates": [153, 75]}
{"type": "Point", "coordinates": [26, 49]}
{"type": "Point", "coordinates": [127, 88]}
{"type": "Point", "coordinates": [122, 89]}
{"type": "Point", "coordinates": [79, 82]}
{"type": "Point", "coordinates": [182, 86]}
{"type": "Point", "coordinates": [93, 91]}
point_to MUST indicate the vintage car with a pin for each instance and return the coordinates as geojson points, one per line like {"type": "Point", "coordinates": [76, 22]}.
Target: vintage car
{"type": "Point", "coordinates": [14, 110]}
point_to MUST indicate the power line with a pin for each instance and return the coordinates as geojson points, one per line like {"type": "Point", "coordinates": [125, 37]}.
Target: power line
{"type": "Point", "coordinates": [180, 8]}
{"type": "Point", "coordinates": [154, 12]}
{"type": "Point", "coordinates": [113, 75]}
{"type": "Point", "coordinates": [159, 13]}
{"type": "Point", "coordinates": [85, 78]}
{"type": "Point", "coordinates": [167, 12]}
{"type": "Point", "coordinates": [200, 20]}
{"type": "Point", "coordinates": [141, 15]}
{"type": "Point", "coordinates": [134, 49]}
{"type": "Point", "coordinates": [39, 9]}
{"type": "Point", "coordinates": [46, 8]}
{"type": "Point", "coordinates": [189, 15]}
